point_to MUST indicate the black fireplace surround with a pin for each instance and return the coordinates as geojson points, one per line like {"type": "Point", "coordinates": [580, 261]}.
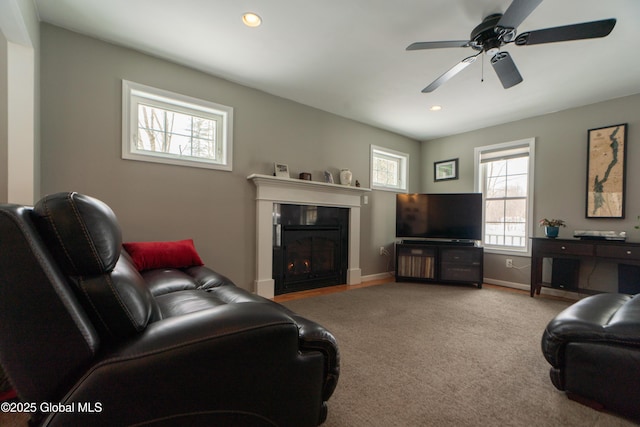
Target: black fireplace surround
{"type": "Point", "coordinates": [310, 247]}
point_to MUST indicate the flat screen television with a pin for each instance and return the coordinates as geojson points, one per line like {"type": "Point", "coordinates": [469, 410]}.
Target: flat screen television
{"type": "Point", "coordinates": [439, 216]}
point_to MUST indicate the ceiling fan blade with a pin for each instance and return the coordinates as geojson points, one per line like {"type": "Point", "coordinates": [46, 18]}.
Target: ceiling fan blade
{"type": "Point", "coordinates": [506, 69]}
{"type": "Point", "coordinates": [517, 12]}
{"type": "Point", "coordinates": [438, 45]}
{"type": "Point", "coordinates": [449, 74]}
{"type": "Point", "coordinates": [585, 30]}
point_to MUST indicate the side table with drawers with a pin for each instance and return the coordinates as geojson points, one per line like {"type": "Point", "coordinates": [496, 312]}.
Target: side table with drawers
{"type": "Point", "coordinates": [626, 255]}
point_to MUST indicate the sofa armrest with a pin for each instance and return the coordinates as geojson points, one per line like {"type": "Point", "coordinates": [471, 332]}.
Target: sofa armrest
{"type": "Point", "coordinates": [613, 318]}
{"type": "Point", "coordinates": [314, 337]}
{"type": "Point", "coordinates": [237, 362]}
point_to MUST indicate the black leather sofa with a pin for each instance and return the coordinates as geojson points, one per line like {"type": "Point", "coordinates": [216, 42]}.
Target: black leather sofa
{"type": "Point", "coordinates": [593, 347]}
{"type": "Point", "coordinates": [88, 340]}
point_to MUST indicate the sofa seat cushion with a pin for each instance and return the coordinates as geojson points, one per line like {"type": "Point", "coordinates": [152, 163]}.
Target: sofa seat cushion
{"type": "Point", "coordinates": [206, 278]}
{"type": "Point", "coordinates": [190, 300]}
{"type": "Point", "coordinates": [231, 294]}
{"type": "Point", "coordinates": [185, 302]}
{"type": "Point", "coordinates": [166, 280]}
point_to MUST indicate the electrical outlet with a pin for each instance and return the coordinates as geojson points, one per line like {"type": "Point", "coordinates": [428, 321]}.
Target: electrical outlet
{"type": "Point", "coordinates": [382, 250]}
{"type": "Point", "coordinates": [509, 263]}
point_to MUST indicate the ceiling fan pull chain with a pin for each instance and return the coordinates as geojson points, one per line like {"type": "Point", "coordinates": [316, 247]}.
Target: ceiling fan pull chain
{"type": "Point", "coordinates": [482, 72]}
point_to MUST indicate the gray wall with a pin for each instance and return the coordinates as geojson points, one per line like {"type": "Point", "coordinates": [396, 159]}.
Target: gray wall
{"type": "Point", "coordinates": [560, 176]}
{"type": "Point", "coordinates": [81, 140]}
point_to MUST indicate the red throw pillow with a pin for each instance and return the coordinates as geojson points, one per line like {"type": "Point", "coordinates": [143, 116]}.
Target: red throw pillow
{"type": "Point", "coordinates": [150, 255]}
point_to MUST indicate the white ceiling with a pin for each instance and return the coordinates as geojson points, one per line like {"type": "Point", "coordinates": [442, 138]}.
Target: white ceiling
{"type": "Point", "coordinates": [348, 57]}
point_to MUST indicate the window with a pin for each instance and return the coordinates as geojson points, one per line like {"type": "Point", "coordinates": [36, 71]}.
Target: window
{"type": "Point", "coordinates": [389, 169]}
{"type": "Point", "coordinates": [505, 178]}
{"type": "Point", "coordinates": [165, 127]}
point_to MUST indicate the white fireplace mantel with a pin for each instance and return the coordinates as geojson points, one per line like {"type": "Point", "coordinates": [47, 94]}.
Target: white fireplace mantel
{"type": "Point", "coordinates": [271, 190]}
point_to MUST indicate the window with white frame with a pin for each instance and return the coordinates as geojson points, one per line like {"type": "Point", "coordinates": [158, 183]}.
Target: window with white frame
{"type": "Point", "coordinates": [389, 169]}
{"type": "Point", "coordinates": [504, 176]}
{"type": "Point", "coordinates": [166, 127]}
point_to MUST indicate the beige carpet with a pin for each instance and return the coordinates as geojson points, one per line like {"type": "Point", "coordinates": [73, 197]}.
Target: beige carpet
{"type": "Point", "coordinates": [431, 355]}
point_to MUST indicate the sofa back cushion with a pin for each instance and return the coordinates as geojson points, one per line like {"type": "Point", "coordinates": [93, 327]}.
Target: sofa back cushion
{"type": "Point", "coordinates": [120, 302]}
{"type": "Point", "coordinates": [83, 232]}
{"type": "Point", "coordinates": [46, 337]}
{"type": "Point", "coordinates": [84, 236]}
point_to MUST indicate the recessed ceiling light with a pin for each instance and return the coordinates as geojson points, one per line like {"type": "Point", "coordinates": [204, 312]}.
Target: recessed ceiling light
{"type": "Point", "coordinates": [250, 19]}
{"type": "Point", "coordinates": [435, 108]}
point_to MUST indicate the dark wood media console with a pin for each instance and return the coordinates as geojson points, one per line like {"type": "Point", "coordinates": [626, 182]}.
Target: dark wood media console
{"type": "Point", "coordinates": [626, 255]}
{"type": "Point", "coordinates": [439, 262]}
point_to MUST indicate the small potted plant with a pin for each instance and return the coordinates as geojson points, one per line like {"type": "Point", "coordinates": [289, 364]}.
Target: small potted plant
{"type": "Point", "coordinates": [551, 226]}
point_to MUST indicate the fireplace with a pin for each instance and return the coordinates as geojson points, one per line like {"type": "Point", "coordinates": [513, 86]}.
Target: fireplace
{"type": "Point", "coordinates": [271, 190]}
{"type": "Point", "coordinates": [310, 247]}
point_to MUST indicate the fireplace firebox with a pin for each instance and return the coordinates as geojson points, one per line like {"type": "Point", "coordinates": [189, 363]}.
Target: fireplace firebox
{"type": "Point", "coordinates": [310, 247]}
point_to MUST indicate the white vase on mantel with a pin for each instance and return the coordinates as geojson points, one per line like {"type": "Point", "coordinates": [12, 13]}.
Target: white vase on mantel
{"type": "Point", "coordinates": [345, 177]}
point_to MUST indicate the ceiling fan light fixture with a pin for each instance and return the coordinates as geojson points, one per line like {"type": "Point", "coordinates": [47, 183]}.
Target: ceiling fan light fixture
{"type": "Point", "coordinates": [435, 108]}
{"type": "Point", "coordinates": [251, 19]}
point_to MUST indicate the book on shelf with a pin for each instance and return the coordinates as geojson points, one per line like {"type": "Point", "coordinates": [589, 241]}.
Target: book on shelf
{"type": "Point", "coordinates": [416, 266]}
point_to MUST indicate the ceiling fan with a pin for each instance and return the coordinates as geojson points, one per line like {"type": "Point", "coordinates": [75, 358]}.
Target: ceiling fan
{"type": "Point", "coordinates": [498, 30]}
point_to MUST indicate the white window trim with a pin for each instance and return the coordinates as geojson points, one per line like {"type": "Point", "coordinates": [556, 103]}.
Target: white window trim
{"type": "Point", "coordinates": [404, 169]}
{"type": "Point", "coordinates": [132, 91]}
{"type": "Point", "coordinates": [531, 143]}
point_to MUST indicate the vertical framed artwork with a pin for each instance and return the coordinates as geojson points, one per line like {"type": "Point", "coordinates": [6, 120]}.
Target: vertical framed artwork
{"type": "Point", "coordinates": [606, 171]}
{"type": "Point", "coordinates": [446, 169]}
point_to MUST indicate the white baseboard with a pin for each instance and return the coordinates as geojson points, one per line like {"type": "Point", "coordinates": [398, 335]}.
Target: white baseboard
{"type": "Point", "coordinates": [526, 287]}
{"type": "Point", "coordinates": [514, 285]}
{"type": "Point", "coordinates": [354, 276]}
{"type": "Point", "coordinates": [379, 276]}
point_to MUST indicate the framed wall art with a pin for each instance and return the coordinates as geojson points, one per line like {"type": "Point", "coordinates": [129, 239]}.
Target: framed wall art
{"type": "Point", "coordinates": [445, 170]}
{"type": "Point", "coordinates": [606, 171]}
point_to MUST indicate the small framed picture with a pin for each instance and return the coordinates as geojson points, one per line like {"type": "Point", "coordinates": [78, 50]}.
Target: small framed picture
{"type": "Point", "coordinates": [328, 177]}
{"type": "Point", "coordinates": [445, 170]}
{"type": "Point", "coordinates": [281, 170]}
